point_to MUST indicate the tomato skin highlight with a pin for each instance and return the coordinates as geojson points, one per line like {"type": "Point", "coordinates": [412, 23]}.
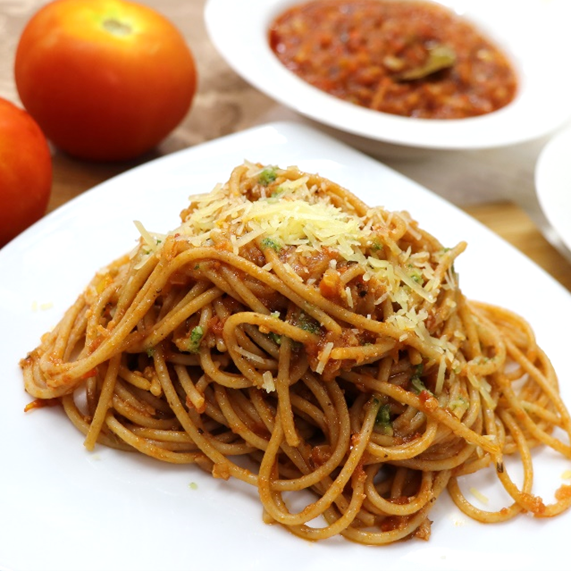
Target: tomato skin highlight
{"type": "Point", "coordinates": [25, 171]}
{"type": "Point", "coordinates": [106, 80]}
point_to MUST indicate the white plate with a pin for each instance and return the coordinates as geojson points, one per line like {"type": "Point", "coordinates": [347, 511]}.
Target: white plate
{"type": "Point", "coordinates": [534, 35]}
{"type": "Point", "coordinates": [553, 184]}
{"type": "Point", "coordinates": [65, 509]}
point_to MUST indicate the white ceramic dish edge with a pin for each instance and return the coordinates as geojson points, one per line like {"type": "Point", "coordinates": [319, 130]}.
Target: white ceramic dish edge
{"type": "Point", "coordinates": [68, 510]}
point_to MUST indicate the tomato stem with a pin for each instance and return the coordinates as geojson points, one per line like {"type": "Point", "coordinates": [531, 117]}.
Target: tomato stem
{"type": "Point", "coordinates": [116, 27]}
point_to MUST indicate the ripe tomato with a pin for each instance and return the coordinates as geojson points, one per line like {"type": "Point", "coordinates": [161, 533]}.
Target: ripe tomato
{"type": "Point", "coordinates": [25, 171]}
{"type": "Point", "coordinates": [105, 80]}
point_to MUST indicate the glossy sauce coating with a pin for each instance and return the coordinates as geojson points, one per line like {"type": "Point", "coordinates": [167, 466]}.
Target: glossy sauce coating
{"type": "Point", "coordinates": [360, 50]}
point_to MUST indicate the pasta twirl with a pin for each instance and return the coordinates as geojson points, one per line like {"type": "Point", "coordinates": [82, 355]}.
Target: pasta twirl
{"type": "Point", "coordinates": [291, 336]}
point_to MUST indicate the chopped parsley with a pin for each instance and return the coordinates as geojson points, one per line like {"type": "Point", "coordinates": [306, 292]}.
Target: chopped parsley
{"type": "Point", "coordinates": [307, 323]}
{"type": "Point", "coordinates": [383, 420]}
{"type": "Point", "coordinates": [416, 382]}
{"type": "Point", "coordinates": [377, 244]}
{"type": "Point", "coordinates": [195, 338]}
{"type": "Point", "coordinates": [458, 406]}
{"type": "Point", "coordinates": [271, 243]}
{"type": "Point", "coordinates": [277, 339]}
{"type": "Point", "coordinates": [267, 176]}
{"type": "Point", "coordinates": [417, 385]}
{"type": "Point", "coordinates": [415, 274]}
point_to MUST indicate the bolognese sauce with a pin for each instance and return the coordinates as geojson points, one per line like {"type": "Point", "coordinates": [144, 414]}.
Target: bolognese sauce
{"type": "Point", "coordinates": [412, 58]}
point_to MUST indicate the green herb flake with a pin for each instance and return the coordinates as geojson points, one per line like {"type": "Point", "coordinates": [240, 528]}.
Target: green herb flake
{"type": "Point", "coordinates": [417, 385]}
{"type": "Point", "coordinates": [416, 382]}
{"type": "Point", "coordinates": [193, 486]}
{"type": "Point", "coordinates": [307, 323]}
{"type": "Point", "coordinates": [458, 406]}
{"type": "Point", "coordinates": [267, 176]}
{"type": "Point", "coordinates": [383, 420]}
{"type": "Point", "coordinates": [415, 274]}
{"type": "Point", "coordinates": [377, 245]}
{"type": "Point", "coordinates": [150, 352]}
{"type": "Point", "coordinates": [277, 339]}
{"type": "Point", "coordinates": [271, 243]}
{"type": "Point", "coordinates": [195, 338]}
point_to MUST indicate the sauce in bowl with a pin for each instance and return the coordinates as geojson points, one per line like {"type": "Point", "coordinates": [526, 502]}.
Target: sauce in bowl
{"type": "Point", "coordinates": [379, 53]}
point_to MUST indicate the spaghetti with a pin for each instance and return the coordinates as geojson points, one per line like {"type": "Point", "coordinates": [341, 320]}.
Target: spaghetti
{"type": "Point", "coordinates": [290, 336]}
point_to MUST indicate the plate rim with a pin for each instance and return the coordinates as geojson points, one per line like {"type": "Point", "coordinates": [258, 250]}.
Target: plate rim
{"type": "Point", "coordinates": [329, 554]}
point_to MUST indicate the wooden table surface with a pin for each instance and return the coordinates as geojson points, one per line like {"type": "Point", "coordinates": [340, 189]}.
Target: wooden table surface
{"type": "Point", "coordinates": [495, 186]}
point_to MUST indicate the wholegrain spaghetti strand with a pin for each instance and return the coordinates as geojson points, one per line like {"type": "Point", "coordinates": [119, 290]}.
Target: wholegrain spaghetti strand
{"type": "Point", "coordinates": [399, 452]}
{"type": "Point", "coordinates": [389, 506]}
{"type": "Point", "coordinates": [504, 514]}
{"type": "Point", "coordinates": [224, 466]}
{"type": "Point", "coordinates": [186, 308]}
{"type": "Point", "coordinates": [331, 400]}
{"type": "Point", "coordinates": [148, 447]}
{"type": "Point", "coordinates": [82, 423]}
{"type": "Point", "coordinates": [235, 423]}
{"type": "Point", "coordinates": [543, 375]}
{"type": "Point", "coordinates": [282, 383]}
{"type": "Point", "coordinates": [290, 336]}
{"type": "Point", "coordinates": [311, 511]}
{"type": "Point", "coordinates": [105, 398]}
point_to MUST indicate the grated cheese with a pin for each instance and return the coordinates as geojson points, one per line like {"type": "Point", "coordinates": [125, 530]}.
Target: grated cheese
{"type": "Point", "coordinates": [301, 214]}
{"type": "Point", "coordinates": [479, 496]}
{"type": "Point", "coordinates": [249, 355]}
{"type": "Point", "coordinates": [324, 357]}
{"type": "Point", "coordinates": [440, 377]}
{"type": "Point", "coordinates": [151, 241]}
{"type": "Point", "coordinates": [349, 297]}
{"type": "Point", "coordinates": [483, 388]}
{"type": "Point", "coordinates": [268, 382]}
{"type": "Point", "coordinates": [42, 306]}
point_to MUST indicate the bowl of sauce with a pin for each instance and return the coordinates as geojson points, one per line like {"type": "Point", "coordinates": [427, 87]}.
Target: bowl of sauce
{"type": "Point", "coordinates": [406, 74]}
{"type": "Point", "coordinates": [414, 59]}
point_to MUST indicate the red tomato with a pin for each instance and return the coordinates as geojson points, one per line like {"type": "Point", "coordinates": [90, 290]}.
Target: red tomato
{"type": "Point", "coordinates": [106, 79]}
{"type": "Point", "coordinates": [25, 171]}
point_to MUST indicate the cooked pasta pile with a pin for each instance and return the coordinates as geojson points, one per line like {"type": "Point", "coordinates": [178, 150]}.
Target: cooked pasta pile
{"type": "Point", "coordinates": [290, 336]}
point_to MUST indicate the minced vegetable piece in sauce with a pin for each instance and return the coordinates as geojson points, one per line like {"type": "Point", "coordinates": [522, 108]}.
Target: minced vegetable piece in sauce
{"type": "Point", "coordinates": [367, 51]}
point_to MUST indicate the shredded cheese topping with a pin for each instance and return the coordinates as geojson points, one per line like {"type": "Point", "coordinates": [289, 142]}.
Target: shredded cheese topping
{"type": "Point", "coordinates": [300, 214]}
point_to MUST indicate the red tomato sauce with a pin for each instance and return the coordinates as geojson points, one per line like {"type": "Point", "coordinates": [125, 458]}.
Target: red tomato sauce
{"type": "Point", "coordinates": [359, 51]}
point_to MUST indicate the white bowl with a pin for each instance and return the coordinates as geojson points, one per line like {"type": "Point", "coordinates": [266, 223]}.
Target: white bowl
{"type": "Point", "coordinates": [553, 187]}
{"type": "Point", "coordinates": [531, 32]}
